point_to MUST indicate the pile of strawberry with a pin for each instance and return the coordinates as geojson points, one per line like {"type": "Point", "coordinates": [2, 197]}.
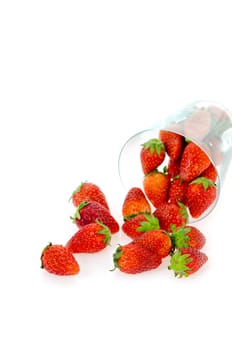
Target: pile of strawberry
{"type": "Point", "coordinates": [95, 226]}
{"type": "Point", "coordinates": [153, 239]}
{"type": "Point", "coordinates": [155, 216]}
{"type": "Point", "coordinates": [189, 177]}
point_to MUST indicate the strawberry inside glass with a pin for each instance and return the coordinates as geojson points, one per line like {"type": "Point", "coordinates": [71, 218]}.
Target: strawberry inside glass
{"type": "Point", "coordinates": [183, 160]}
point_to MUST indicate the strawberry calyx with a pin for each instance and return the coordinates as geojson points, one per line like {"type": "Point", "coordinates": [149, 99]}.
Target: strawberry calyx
{"type": "Point", "coordinates": [177, 177]}
{"type": "Point", "coordinates": [77, 214]}
{"type": "Point", "coordinates": [131, 216]}
{"type": "Point", "coordinates": [151, 223]}
{"type": "Point", "coordinates": [165, 169]}
{"type": "Point", "coordinates": [154, 171]}
{"type": "Point", "coordinates": [183, 211]}
{"type": "Point", "coordinates": [78, 189]}
{"type": "Point", "coordinates": [154, 145]}
{"type": "Point", "coordinates": [179, 264]}
{"type": "Point", "coordinates": [204, 181]}
{"type": "Point", "coordinates": [45, 248]}
{"type": "Point", "coordinates": [105, 231]}
{"type": "Point", "coordinates": [116, 256]}
{"type": "Point", "coordinates": [179, 237]}
{"type": "Point", "coordinates": [157, 171]}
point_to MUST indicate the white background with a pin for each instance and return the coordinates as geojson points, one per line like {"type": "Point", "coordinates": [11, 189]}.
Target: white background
{"type": "Point", "coordinates": [77, 78]}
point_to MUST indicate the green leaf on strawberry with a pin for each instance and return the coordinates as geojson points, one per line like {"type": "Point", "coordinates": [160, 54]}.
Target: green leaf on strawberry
{"type": "Point", "coordinates": [116, 256]}
{"type": "Point", "coordinates": [183, 210]}
{"type": "Point", "coordinates": [154, 145]}
{"type": "Point", "coordinates": [179, 237]}
{"type": "Point", "coordinates": [187, 261]}
{"type": "Point", "coordinates": [179, 262]}
{"type": "Point", "coordinates": [204, 181]}
{"type": "Point", "coordinates": [77, 214]}
{"type": "Point", "coordinates": [151, 223]}
{"type": "Point", "coordinates": [105, 231]}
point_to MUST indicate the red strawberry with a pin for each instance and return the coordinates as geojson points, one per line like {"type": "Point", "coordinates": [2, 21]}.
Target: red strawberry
{"type": "Point", "coordinates": [188, 236]}
{"type": "Point", "coordinates": [177, 190]}
{"type": "Point", "coordinates": [201, 193]}
{"type": "Point", "coordinates": [135, 203]}
{"type": "Point", "coordinates": [89, 212]}
{"type": "Point", "coordinates": [170, 214]}
{"type": "Point", "coordinates": [152, 155]}
{"type": "Point", "coordinates": [133, 258]}
{"type": "Point", "coordinates": [58, 260]}
{"type": "Point", "coordinates": [156, 187]}
{"type": "Point", "coordinates": [173, 143]}
{"type": "Point", "coordinates": [90, 238]}
{"type": "Point", "coordinates": [88, 191]}
{"type": "Point", "coordinates": [173, 167]}
{"type": "Point", "coordinates": [158, 241]}
{"type": "Point", "coordinates": [210, 173]}
{"type": "Point", "coordinates": [139, 224]}
{"type": "Point", "coordinates": [193, 162]}
{"type": "Point", "coordinates": [186, 261]}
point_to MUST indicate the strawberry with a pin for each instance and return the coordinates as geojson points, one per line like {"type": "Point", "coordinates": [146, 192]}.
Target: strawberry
{"type": "Point", "coordinates": [58, 260]}
{"type": "Point", "coordinates": [139, 224]}
{"type": "Point", "coordinates": [90, 238]}
{"type": "Point", "coordinates": [173, 143]}
{"type": "Point", "coordinates": [193, 162]}
{"type": "Point", "coordinates": [135, 203]}
{"type": "Point", "coordinates": [186, 261]}
{"type": "Point", "coordinates": [210, 173]}
{"type": "Point", "coordinates": [89, 212]}
{"type": "Point", "coordinates": [156, 187]}
{"type": "Point", "coordinates": [173, 168]}
{"type": "Point", "coordinates": [88, 191]}
{"type": "Point", "coordinates": [177, 190]}
{"type": "Point", "coordinates": [158, 241]}
{"type": "Point", "coordinates": [201, 193]}
{"type": "Point", "coordinates": [133, 258]}
{"type": "Point", "coordinates": [170, 214]}
{"type": "Point", "coordinates": [187, 236]}
{"type": "Point", "coordinates": [152, 155]}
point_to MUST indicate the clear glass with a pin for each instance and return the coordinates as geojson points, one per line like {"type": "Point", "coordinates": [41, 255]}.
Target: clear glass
{"type": "Point", "coordinates": [206, 123]}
